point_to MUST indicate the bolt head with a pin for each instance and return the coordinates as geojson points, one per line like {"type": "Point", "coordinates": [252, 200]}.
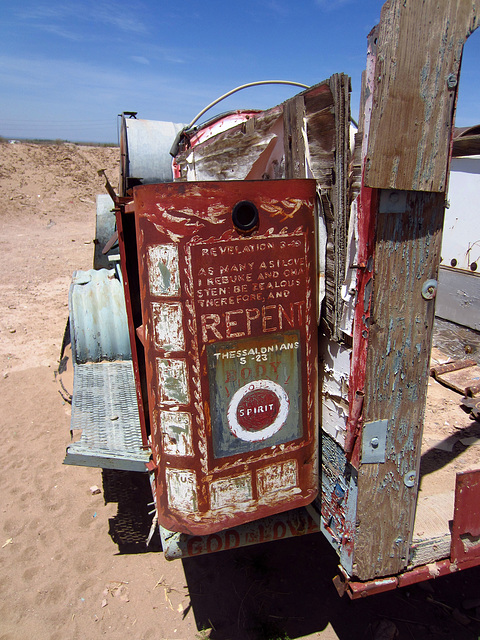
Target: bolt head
{"type": "Point", "coordinates": [451, 81]}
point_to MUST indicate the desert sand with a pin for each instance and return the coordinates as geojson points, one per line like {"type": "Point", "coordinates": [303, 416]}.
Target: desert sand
{"type": "Point", "coordinates": [68, 566]}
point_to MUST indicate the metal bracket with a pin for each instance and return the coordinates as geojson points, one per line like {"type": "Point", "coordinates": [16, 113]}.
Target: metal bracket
{"type": "Point", "coordinates": [374, 441]}
{"type": "Point", "coordinates": [392, 201]}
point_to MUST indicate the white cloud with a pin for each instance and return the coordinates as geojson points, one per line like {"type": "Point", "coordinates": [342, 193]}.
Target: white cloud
{"type": "Point", "coordinates": [332, 5]}
{"type": "Point", "coordinates": [123, 18]}
{"type": "Point", "coordinates": [57, 30]}
{"type": "Point", "coordinates": [278, 7]}
{"type": "Point", "coordinates": [67, 20]}
{"type": "Point", "coordinates": [140, 59]}
{"type": "Point", "coordinates": [76, 86]}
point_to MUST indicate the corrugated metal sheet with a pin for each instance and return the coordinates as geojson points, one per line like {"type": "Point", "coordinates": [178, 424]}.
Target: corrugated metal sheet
{"type": "Point", "coordinates": [98, 320]}
{"type": "Point", "coordinates": [104, 402]}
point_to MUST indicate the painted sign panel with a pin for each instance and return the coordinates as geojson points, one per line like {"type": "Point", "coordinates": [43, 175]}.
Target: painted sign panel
{"type": "Point", "coordinates": [227, 278]}
{"type": "Point", "coordinates": [255, 393]}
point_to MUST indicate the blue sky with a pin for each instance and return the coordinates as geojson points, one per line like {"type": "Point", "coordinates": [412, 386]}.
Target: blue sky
{"type": "Point", "coordinates": [68, 68]}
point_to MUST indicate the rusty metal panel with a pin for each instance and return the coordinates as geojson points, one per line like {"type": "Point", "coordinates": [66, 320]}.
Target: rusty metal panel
{"type": "Point", "coordinates": [297, 522]}
{"type": "Point", "coordinates": [466, 517]}
{"type": "Point", "coordinates": [227, 278]}
{"type": "Point", "coordinates": [356, 589]}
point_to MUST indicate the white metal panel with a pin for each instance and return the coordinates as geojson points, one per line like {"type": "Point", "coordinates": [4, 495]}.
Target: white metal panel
{"type": "Point", "coordinates": [461, 231]}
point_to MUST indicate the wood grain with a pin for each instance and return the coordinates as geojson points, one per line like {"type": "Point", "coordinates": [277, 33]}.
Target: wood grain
{"type": "Point", "coordinates": [407, 254]}
{"type": "Point", "coordinates": [419, 51]}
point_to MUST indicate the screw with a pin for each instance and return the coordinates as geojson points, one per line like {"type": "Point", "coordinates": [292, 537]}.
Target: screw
{"type": "Point", "coordinates": [374, 442]}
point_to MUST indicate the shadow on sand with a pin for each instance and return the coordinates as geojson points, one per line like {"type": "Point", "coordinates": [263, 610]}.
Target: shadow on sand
{"type": "Point", "coordinates": [283, 590]}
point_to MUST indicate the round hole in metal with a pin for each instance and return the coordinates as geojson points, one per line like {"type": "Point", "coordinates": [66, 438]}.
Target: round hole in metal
{"type": "Point", "coordinates": [245, 216]}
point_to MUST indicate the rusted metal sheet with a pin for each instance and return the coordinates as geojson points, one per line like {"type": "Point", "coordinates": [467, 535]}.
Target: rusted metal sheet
{"type": "Point", "coordinates": [297, 522]}
{"type": "Point", "coordinates": [227, 280]}
{"type": "Point", "coordinates": [356, 589]}
{"type": "Point", "coordinates": [473, 404]}
{"type": "Point", "coordinates": [129, 265]}
{"type": "Point", "coordinates": [462, 376]}
{"type": "Point", "coordinates": [466, 517]}
{"type": "Point", "coordinates": [456, 365]}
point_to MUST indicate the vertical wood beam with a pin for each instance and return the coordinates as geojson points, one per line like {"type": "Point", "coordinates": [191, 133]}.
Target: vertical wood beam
{"type": "Point", "coordinates": [406, 147]}
{"type": "Point", "coordinates": [340, 86]}
{"type": "Point", "coordinates": [294, 140]}
{"type": "Point", "coordinates": [407, 253]}
{"type": "Point", "coordinates": [419, 52]}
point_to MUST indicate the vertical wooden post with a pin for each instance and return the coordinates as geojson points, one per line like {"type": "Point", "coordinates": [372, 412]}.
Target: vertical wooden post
{"type": "Point", "coordinates": [418, 55]}
{"type": "Point", "coordinates": [294, 140]}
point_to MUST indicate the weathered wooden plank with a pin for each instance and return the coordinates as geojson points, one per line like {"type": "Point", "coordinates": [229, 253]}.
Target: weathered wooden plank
{"type": "Point", "coordinates": [399, 249]}
{"type": "Point", "coordinates": [327, 114]}
{"type": "Point", "coordinates": [231, 155]}
{"type": "Point", "coordinates": [407, 253]}
{"type": "Point", "coordinates": [466, 146]}
{"type": "Point", "coordinates": [416, 77]}
{"type": "Point", "coordinates": [340, 86]}
{"type": "Point", "coordinates": [294, 140]}
{"type": "Point", "coordinates": [320, 125]}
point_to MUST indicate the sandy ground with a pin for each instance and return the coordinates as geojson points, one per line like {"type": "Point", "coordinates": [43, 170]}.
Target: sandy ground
{"type": "Point", "coordinates": [67, 569]}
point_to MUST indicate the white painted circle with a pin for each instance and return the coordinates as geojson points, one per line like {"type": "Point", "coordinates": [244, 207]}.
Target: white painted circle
{"type": "Point", "coordinates": [254, 436]}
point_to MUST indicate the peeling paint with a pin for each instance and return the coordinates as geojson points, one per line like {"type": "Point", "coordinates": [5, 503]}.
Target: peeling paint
{"type": "Point", "coordinates": [164, 278]}
{"type": "Point", "coordinates": [167, 326]}
{"type": "Point", "coordinates": [334, 390]}
{"type": "Point", "coordinates": [231, 492]}
{"type": "Point", "coordinates": [172, 381]}
{"type": "Point", "coordinates": [182, 492]}
{"type": "Point", "coordinates": [433, 570]}
{"type": "Point", "coordinates": [277, 477]}
{"type": "Point", "coordinates": [176, 428]}
{"type": "Point", "coordinates": [231, 349]}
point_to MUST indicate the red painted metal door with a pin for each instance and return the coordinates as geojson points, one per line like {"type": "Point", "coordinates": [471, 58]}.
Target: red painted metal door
{"type": "Point", "coordinates": [229, 308]}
